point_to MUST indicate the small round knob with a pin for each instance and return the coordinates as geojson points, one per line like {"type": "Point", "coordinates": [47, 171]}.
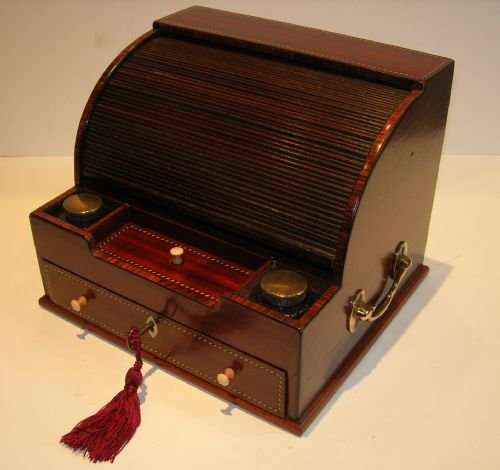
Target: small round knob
{"type": "Point", "coordinates": [77, 304]}
{"type": "Point", "coordinates": [176, 252]}
{"type": "Point", "coordinates": [225, 377]}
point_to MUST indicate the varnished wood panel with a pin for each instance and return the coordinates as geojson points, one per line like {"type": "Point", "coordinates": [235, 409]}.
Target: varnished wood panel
{"type": "Point", "coordinates": [395, 205]}
{"type": "Point", "coordinates": [343, 53]}
{"type": "Point", "coordinates": [145, 252]}
{"type": "Point", "coordinates": [183, 347]}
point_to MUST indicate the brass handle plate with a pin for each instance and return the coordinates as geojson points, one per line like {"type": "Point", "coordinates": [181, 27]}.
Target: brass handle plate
{"type": "Point", "coordinates": [360, 310]}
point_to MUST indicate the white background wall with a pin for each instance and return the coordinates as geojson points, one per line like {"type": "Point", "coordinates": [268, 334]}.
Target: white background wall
{"type": "Point", "coordinates": [53, 51]}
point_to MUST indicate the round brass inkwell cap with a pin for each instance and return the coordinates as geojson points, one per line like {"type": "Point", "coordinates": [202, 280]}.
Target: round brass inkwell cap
{"type": "Point", "coordinates": [83, 207]}
{"type": "Point", "coordinates": [283, 288]}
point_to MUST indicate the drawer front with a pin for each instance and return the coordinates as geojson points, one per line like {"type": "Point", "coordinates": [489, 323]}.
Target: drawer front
{"type": "Point", "coordinates": [254, 381]}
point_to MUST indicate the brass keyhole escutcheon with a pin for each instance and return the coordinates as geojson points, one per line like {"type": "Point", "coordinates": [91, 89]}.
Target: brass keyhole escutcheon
{"type": "Point", "coordinates": [360, 310]}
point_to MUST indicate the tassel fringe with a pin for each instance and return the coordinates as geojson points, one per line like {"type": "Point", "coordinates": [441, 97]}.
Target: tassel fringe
{"type": "Point", "coordinates": [102, 436]}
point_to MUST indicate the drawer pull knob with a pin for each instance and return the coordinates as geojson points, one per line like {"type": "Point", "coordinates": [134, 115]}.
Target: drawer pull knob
{"type": "Point", "coordinates": [77, 304]}
{"type": "Point", "coordinates": [176, 252]}
{"type": "Point", "coordinates": [225, 377]}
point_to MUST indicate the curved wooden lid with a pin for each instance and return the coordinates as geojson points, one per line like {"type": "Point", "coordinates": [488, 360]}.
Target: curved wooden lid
{"type": "Point", "coordinates": [263, 146]}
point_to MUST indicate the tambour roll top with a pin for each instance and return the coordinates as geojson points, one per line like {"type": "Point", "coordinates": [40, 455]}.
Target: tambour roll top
{"type": "Point", "coordinates": [265, 146]}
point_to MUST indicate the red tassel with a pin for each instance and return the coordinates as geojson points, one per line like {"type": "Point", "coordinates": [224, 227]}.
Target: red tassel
{"type": "Point", "coordinates": [101, 437]}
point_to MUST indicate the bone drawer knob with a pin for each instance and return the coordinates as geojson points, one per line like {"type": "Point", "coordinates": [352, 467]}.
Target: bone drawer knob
{"type": "Point", "coordinates": [225, 377]}
{"type": "Point", "coordinates": [176, 252]}
{"type": "Point", "coordinates": [77, 304]}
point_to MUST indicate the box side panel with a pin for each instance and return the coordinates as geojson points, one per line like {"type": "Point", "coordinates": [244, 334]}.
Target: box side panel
{"type": "Point", "coordinates": [396, 205]}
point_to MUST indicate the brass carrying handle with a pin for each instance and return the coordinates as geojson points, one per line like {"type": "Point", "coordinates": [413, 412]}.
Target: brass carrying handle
{"type": "Point", "coordinates": [360, 310]}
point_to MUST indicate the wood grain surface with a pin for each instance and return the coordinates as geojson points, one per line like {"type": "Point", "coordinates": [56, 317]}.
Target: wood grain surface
{"type": "Point", "coordinates": [252, 144]}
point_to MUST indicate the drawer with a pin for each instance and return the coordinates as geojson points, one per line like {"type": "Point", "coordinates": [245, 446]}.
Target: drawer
{"type": "Point", "coordinates": [254, 381]}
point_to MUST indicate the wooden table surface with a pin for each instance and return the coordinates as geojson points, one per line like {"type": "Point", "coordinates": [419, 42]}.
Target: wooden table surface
{"type": "Point", "coordinates": [426, 396]}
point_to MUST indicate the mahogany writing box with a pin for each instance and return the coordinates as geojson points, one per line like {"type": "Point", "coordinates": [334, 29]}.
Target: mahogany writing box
{"type": "Point", "coordinates": [254, 147]}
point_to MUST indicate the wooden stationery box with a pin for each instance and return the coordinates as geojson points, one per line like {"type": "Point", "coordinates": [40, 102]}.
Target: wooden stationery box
{"type": "Point", "coordinates": [257, 148]}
